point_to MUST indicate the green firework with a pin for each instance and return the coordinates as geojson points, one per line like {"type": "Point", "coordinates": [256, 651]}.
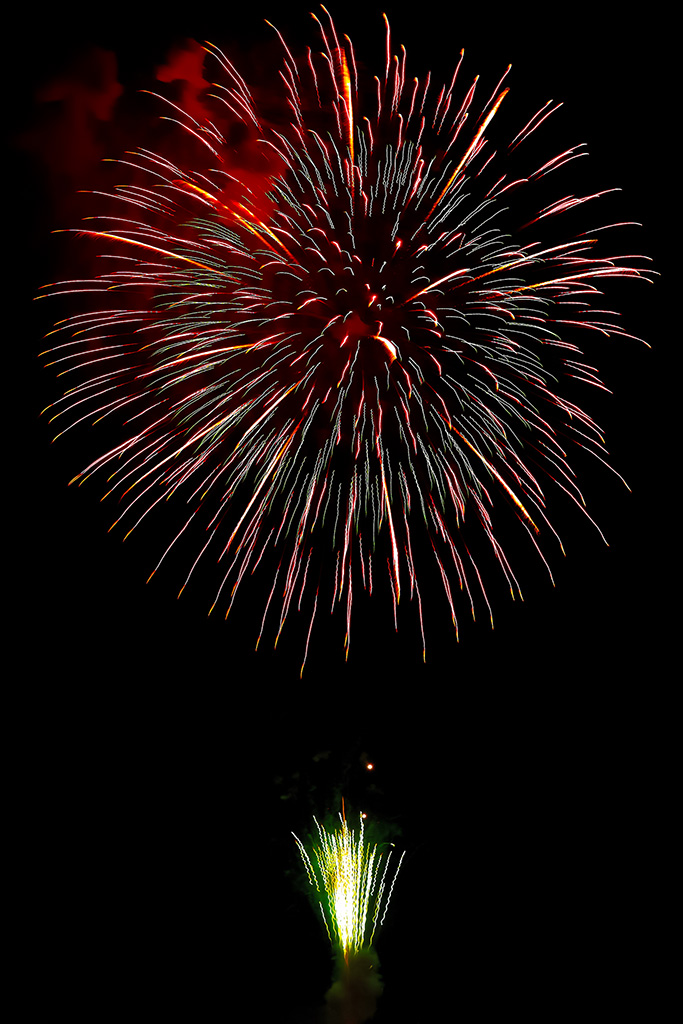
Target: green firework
{"type": "Point", "coordinates": [351, 877]}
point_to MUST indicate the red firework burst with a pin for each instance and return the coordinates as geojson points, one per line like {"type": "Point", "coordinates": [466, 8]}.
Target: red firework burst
{"type": "Point", "coordinates": [337, 350]}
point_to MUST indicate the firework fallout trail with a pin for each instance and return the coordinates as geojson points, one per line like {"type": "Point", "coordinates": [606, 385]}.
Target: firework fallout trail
{"type": "Point", "coordinates": [345, 356]}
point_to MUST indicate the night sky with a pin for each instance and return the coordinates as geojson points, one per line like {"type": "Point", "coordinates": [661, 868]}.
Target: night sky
{"type": "Point", "coordinates": [163, 764]}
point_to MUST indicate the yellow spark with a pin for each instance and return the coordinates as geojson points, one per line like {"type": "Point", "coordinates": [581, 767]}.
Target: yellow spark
{"type": "Point", "coordinates": [349, 875]}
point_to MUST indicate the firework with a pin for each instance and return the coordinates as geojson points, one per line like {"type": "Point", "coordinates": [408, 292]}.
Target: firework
{"type": "Point", "coordinates": [337, 351]}
{"type": "Point", "coordinates": [349, 876]}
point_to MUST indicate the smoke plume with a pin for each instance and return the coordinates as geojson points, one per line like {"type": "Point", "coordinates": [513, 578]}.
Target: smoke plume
{"type": "Point", "coordinates": [357, 985]}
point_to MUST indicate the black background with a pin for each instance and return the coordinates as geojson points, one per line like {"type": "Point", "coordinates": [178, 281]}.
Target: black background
{"type": "Point", "coordinates": [161, 765]}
